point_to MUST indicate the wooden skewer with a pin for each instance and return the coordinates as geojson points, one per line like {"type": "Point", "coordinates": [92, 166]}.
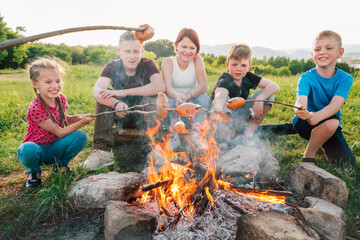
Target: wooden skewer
{"type": "Point", "coordinates": [127, 110]}
{"type": "Point", "coordinates": [260, 100]}
{"type": "Point", "coordinates": [19, 41]}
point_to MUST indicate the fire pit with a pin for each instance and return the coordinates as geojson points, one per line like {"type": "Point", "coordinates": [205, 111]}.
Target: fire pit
{"type": "Point", "coordinates": [188, 194]}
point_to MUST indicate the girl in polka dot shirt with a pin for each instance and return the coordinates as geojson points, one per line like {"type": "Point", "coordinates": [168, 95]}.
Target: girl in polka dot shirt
{"type": "Point", "coordinates": [52, 135]}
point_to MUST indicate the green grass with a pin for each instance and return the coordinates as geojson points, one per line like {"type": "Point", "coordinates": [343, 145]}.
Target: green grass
{"type": "Point", "coordinates": [51, 203]}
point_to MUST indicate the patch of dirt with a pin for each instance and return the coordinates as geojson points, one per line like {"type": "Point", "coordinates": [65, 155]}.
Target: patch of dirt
{"type": "Point", "coordinates": [84, 224]}
{"type": "Point", "coordinates": [17, 76]}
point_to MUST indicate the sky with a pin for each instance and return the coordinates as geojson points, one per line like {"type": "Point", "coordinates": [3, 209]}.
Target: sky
{"type": "Point", "coordinates": [276, 24]}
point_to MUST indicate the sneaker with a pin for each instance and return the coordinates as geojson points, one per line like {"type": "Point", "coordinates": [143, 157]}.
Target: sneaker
{"type": "Point", "coordinates": [34, 182]}
{"type": "Point", "coordinates": [99, 158]}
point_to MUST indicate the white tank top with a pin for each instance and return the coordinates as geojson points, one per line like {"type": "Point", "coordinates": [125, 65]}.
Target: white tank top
{"type": "Point", "coordinates": [183, 81]}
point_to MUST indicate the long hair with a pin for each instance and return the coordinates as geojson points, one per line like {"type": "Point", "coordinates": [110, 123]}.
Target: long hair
{"type": "Point", "coordinates": [35, 69]}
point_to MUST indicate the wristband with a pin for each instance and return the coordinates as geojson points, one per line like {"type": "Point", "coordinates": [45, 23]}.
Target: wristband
{"type": "Point", "coordinates": [191, 96]}
{"type": "Point", "coordinates": [116, 104]}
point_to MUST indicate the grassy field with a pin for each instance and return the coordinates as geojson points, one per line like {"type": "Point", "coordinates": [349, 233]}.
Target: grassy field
{"type": "Point", "coordinates": [51, 202]}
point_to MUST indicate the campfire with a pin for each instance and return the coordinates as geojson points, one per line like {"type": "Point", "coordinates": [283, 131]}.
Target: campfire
{"type": "Point", "coordinates": [188, 184]}
{"type": "Point", "coordinates": [192, 190]}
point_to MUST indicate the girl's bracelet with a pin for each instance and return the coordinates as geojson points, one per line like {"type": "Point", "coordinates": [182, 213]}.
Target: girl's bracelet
{"type": "Point", "coordinates": [117, 104]}
{"type": "Point", "coordinates": [191, 96]}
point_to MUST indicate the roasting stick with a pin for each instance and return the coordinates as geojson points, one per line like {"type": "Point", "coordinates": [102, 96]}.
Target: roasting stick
{"type": "Point", "coordinates": [20, 41]}
{"type": "Point", "coordinates": [126, 110]}
{"type": "Point", "coordinates": [285, 104]}
{"type": "Point", "coordinates": [233, 100]}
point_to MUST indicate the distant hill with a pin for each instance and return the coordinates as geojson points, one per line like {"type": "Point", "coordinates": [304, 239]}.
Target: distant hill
{"type": "Point", "coordinates": [352, 51]}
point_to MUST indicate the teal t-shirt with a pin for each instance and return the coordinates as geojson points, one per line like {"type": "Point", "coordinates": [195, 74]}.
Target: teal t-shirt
{"type": "Point", "coordinates": [320, 90]}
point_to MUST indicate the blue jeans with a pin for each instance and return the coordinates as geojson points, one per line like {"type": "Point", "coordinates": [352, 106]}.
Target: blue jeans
{"type": "Point", "coordinates": [203, 100]}
{"type": "Point", "coordinates": [33, 155]}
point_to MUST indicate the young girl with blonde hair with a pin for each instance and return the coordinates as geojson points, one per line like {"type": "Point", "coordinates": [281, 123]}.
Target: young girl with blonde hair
{"type": "Point", "coordinates": [52, 135]}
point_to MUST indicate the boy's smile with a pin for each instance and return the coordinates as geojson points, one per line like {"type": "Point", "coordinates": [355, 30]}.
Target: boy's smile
{"type": "Point", "coordinates": [326, 52]}
{"type": "Point", "coordinates": [238, 69]}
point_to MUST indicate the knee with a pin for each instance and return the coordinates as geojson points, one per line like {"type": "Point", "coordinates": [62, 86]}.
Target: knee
{"type": "Point", "coordinates": [80, 137]}
{"type": "Point", "coordinates": [331, 125]}
{"type": "Point", "coordinates": [28, 151]}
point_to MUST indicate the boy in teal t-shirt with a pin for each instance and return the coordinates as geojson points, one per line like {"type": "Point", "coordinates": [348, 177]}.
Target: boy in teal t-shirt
{"type": "Point", "coordinates": [321, 92]}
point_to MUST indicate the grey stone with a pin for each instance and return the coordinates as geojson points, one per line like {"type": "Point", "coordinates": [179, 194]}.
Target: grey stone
{"type": "Point", "coordinates": [123, 221]}
{"type": "Point", "coordinates": [271, 225]}
{"type": "Point", "coordinates": [306, 179]}
{"type": "Point", "coordinates": [242, 160]}
{"type": "Point", "coordinates": [95, 191]}
{"type": "Point", "coordinates": [325, 217]}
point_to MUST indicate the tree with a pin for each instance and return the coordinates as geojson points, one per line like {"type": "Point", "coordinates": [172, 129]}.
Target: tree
{"type": "Point", "coordinates": [309, 64]}
{"type": "Point", "coordinates": [296, 67]}
{"type": "Point", "coordinates": [220, 61]}
{"type": "Point", "coordinates": [278, 61]}
{"type": "Point", "coordinates": [161, 47]}
{"type": "Point", "coordinates": [100, 54]}
{"type": "Point", "coordinates": [284, 71]}
{"type": "Point", "coordinates": [208, 59]}
{"type": "Point", "coordinates": [12, 57]}
{"type": "Point", "coordinates": [77, 55]}
{"type": "Point", "coordinates": [149, 55]}
{"type": "Point", "coordinates": [344, 66]}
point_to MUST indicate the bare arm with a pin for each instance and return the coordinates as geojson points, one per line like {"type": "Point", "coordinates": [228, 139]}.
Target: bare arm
{"type": "Point", "coordinates": [336, 103]}
{"type": "Point", "coordinates": [100, 91]}
{"type": "Point", "coordinates": [270, 88]}
{"type": "Point", "coordinates": [53, 128]}
{"type": "Point", "coordinates": [73, 118]}
{"type": "Point", "coordinates": [301, 101]}
{"type": "Point", "coordinates": [109, 97]}
{"type": "Point", "coordinates": [221, 95]}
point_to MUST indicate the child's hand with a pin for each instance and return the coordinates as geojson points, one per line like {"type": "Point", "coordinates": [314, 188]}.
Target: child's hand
{"type": "Point", "coordinates": [121, 106]}
{"type": "Point", "coordinates": [258, 108]}
{"type": "Point", "coordinates": [302, 113]}
{"type": "Point", "coordinates": [86, 118]}
{"type": "Point", "coordinates": [218, 108]}
{"type": "Point", "coordinates": [313, 118]}
{"type": "Point", "coordinates": [180, 99]}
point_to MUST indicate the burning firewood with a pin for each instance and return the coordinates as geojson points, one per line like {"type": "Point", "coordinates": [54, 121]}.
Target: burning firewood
{"type": "Point", "coordinates": [148, 187]}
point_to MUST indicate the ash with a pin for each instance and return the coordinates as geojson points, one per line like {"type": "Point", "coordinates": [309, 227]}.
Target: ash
{"type": "Point", "coordinates": [218, 221]}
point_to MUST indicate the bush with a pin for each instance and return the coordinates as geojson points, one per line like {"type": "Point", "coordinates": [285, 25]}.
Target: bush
{"type": "Point", "coordinates": [208, 59]}
{"type": "Point", "coordinates": [220, 61]}
{"type": "Point", "coordinates": [284, 71]}
{"type": "Point", "coordinates": [296, 67]}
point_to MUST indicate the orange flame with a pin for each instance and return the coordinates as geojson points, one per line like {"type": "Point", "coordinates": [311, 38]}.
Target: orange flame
{"type": "Point", "coordinates": [209, 195]}
{"type": "Point", "coordinates": [176, 196]}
